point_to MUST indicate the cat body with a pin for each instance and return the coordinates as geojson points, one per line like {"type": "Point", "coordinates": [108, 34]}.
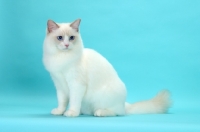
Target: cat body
{"type": "Point", "coordinates": [85, 81]}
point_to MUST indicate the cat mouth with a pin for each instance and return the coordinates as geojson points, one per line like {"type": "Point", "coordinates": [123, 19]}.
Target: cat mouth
{"type": "Point", "coordinates": [63, 48]}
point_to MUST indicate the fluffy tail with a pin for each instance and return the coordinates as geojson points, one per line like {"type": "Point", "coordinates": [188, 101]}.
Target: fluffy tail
{"type": "Point", "coordinates": [157, 105]}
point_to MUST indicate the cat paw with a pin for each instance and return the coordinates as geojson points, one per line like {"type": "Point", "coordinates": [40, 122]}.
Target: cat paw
{"type": "Point", "coordinates": [102, 113]}
{"type": "Point", "coordinates": [57, 111]}
{"type": "Point", "coordinates": [99, 113]}
{"type": "Point", "coordinates": [71, 113]}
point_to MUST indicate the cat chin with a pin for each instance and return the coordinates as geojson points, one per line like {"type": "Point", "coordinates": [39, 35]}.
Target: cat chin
{"type": "Point", "coordinates": [63, 49]}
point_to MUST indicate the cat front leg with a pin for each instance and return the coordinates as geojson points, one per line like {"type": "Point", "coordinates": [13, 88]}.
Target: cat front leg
{"type": "Point", "coordinates": [62, 94]}
{"type": "Point", "coordinates": [62, 102]}
{"type": "Point", "coordinates": [77, 92]}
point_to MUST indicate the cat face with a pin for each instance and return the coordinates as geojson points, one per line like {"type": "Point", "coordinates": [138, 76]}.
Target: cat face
{"type": "Point", "coordinates": [63, 36]}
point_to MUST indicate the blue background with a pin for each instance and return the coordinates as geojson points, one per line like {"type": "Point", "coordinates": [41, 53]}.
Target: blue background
{"type": "Point", "coordinates": [153, 45]}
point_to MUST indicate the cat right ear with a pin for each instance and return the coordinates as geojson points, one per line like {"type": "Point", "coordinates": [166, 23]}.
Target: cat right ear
{"type": "Point", "coordinates": [51, 26]}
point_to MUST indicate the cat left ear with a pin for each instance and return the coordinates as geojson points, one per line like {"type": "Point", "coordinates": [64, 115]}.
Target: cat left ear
{"type": "Point", "coordinates": [51, 25]}
{"type": "Point", "coordinates": [75, 24]}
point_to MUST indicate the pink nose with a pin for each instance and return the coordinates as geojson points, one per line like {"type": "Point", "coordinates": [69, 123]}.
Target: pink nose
{"type": "Point", "coordinates": [66, 45]}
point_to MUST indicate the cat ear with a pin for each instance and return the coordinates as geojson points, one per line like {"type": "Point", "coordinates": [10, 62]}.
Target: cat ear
{"type": "Point", "coordinates": [75, 24]}
{"type": "Point", "coordinates": [51, 25]}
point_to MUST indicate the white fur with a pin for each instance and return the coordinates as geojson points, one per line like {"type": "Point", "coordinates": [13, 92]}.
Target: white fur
{"type": "Point", "coordinates": [87, 82]}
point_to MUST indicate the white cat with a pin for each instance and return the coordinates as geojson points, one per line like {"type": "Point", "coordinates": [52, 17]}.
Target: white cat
{"type": "Point", "coordinates": [85, 80]}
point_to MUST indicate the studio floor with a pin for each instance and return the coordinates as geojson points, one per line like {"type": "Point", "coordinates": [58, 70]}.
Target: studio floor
{"type": "Point", "coordinates": [32, 114]}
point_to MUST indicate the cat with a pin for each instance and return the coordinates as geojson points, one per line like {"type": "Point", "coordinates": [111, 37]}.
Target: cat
{"type": "Point", "coordinates": [85, 81]}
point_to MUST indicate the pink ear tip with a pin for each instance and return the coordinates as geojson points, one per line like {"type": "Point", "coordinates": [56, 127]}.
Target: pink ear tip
{"type": "Point", "coordinates": [50, 21]}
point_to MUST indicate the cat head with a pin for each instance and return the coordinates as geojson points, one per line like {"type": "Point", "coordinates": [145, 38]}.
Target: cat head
{"type": "Point", "coordinates": [64, 36]}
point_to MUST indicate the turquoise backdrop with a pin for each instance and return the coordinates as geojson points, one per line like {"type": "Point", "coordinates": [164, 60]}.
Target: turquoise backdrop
{"type": "Point", "coordinates": [153, 45]}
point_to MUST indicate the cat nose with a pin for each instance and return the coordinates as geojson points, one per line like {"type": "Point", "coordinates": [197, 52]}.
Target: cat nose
{"type": "Point", "coordinates": [66, 45]}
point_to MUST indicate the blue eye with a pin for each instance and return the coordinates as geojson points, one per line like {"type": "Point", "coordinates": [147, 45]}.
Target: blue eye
{"type": "Point", "coordinates": [71, 38]}
{"type": "Point", "coordinates": [60, 38]}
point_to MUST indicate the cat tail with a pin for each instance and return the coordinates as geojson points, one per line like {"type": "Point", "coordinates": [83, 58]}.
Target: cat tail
{"type": "Point", "coordinates": [157, 105]}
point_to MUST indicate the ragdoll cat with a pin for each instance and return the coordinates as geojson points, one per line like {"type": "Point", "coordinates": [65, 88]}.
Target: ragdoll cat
{"type": "Point", "coordinates": [85, 81]}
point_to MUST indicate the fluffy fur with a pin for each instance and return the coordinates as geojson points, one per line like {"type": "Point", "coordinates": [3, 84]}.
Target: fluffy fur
{"type": "Point", "coordinates": [85, 81]}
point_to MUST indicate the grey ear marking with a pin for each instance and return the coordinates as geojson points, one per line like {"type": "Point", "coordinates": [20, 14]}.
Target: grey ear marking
{"type": "Point", "coordinates": [51, 25]}
{"type": "Point", "coordinates": [75, 24]}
